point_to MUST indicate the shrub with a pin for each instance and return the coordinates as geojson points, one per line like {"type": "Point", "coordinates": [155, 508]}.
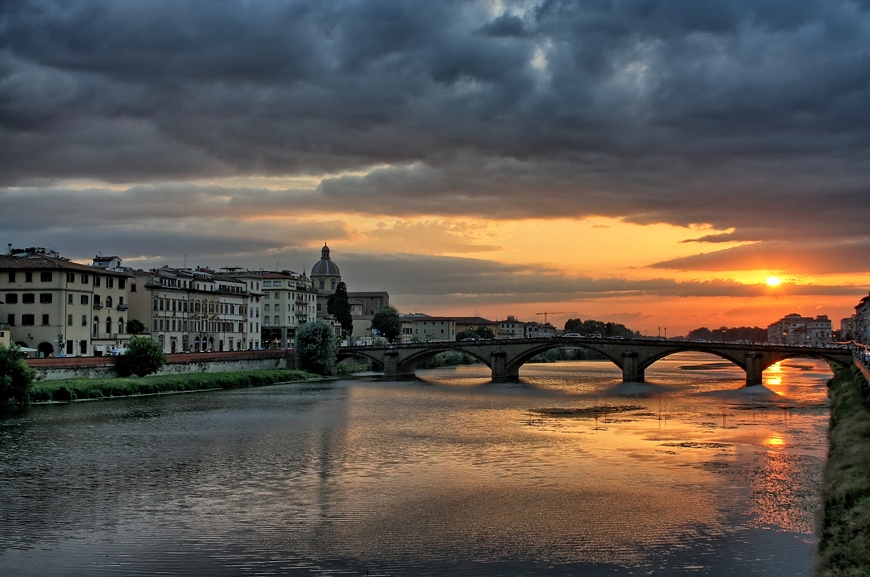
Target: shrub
{"type": "Point", "coordinates": [142, 357]}
{"type": "Point", "coordinates": [15, 377]}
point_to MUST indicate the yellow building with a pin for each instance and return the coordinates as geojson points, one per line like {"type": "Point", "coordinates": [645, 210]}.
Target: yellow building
{"type": "Point", "coordinates": [62, 308]}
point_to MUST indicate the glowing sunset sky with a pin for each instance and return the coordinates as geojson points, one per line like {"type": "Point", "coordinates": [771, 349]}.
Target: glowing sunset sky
{"type": "Point", "coordinates": [646, 162]}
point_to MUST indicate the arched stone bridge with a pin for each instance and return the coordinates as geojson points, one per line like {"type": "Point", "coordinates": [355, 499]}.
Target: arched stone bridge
{"type": "Point", "coordinates": [632, 356]}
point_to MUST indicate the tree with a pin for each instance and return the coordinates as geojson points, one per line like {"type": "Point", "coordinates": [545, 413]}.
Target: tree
{"type": "Point", "coordinates": [142, 357]}
{"type": "Point", "coordinates": [339, 307]}
{"type": "Point", "coordinates": [15, 376]}
{"type": "Point", "coordinates": [135, 327]}
{"type": "Point", "coordinates": [387, 323]}
{"type": "Point", "coordinates": [484, 333]}
{"type": "Point", "coordinates": [315, 348]}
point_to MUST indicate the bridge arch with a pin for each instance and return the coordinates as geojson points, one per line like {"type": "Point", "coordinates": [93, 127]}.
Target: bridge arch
{"type": "Point", "coordinates": [524, 357]}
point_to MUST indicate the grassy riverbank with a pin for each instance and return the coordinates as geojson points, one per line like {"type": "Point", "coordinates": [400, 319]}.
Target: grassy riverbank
{"type": "Point", "coordinates": [82, 389]}
{"type": "Point", "coordinates": [844, 524]}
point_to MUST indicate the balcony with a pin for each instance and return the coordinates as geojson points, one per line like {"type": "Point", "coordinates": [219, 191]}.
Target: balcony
{"type": "Point", "coordinates": [98, 306]}
{"type": "Point", "coordinates": [123, 307]}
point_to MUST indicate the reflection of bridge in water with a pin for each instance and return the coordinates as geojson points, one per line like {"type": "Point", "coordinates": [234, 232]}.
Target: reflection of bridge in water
{"type": "Point", "coordinates": [633, 356]}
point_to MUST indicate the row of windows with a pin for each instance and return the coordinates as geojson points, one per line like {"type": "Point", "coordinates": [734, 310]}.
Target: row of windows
{"type": "Point", "coordinates": [27, 320]}
{"type": "Point", "coordinates": [176, 305]}
{"type": "Point", "coordinates": [46, 298]}
{"type": "Point", "coordinates": [161, 325]}
{"type": "Point", "coordinates": [70, 278]}
{"type": "Point", "coordinates": [277, 320]}
{"type": "Point", "coordinates": [27, 298]}
{"type": "Point", "coordinates": [292, 296]}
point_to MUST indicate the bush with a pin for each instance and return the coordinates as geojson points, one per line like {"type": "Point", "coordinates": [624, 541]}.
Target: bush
{"type": "Point", "coordinates": [315, 348]}
{"type": "Point", "coordinates": [15, 377]}
{"type": "Point", "coordinates": [142, 357]}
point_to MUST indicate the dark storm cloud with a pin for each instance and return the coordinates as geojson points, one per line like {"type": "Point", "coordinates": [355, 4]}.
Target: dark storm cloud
{"type": "Point", "coordinates": [745, 114]}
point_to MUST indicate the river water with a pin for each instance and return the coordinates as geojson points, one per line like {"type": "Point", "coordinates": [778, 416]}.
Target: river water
{"type": "Point", "coordinates": [569, 472]}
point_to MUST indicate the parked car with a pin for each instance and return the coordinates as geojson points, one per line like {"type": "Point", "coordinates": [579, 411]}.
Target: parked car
{"type": "Point", "coordinates": [571, 336]}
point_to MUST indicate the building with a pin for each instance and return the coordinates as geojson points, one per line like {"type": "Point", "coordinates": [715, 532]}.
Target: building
{"type": "Point", "coordinates": [289, 301]}
{"type": "Point", "coordinates": [325, 276]}
{"type": "Point", "coordinates": [793, 329]}
{"type": "Point", "coordinates": [862, 320]}
{"type": "Point", "coordinates": [190, 310]}
{"type": "Point", "coordinates": [252, 282]}
{"type": "Point", "coordinates": [536, 330]}
{"type": "Point", "coordinates": [511, 328]}
{"type": "Point", "coordinates": [419, 328]}
{"type": "Point", "coordinates": [60, 307]}
{"type": "Point", "coordinates": [5, 335]}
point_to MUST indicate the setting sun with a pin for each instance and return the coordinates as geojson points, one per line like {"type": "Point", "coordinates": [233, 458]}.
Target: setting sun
{"type": "Point", "coordinates": [773, 281]}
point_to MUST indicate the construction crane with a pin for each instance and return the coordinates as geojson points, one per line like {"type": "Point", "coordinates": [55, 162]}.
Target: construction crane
{"type": "Point", "coordinates": [545, 313]}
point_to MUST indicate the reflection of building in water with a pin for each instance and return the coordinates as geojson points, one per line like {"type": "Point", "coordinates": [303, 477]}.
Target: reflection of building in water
{"type": "Point", "coordinates": [794, 329]}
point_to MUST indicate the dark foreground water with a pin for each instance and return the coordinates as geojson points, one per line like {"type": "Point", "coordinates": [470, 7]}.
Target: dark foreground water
{"type": "Point", "coordinates": [570, 472]}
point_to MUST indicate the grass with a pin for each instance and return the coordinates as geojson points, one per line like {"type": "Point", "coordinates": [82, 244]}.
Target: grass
{"type": "Point", "coordinates": [80, 389]}
{"type": "Point", "coordinates": [844, 536]}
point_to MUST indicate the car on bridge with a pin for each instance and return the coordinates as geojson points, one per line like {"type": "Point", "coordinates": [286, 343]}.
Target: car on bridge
{"type": "Point", "coordinates": [571, 336]}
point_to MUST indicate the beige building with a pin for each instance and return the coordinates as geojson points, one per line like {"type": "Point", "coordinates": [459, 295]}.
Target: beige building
{"type": "Point", "coordinates": [60, 307]}
{"type": "Point", "coordinates": [794, 329]}
{"type": "Point", "coordinates": [289, 301]}
{"type": "Point", "coordinates": [511, 328]}
{"type": "Point", "coordinates": [5, 335]}
{"type": "Point", "coordinates": [421, 328]}
{"type": "Point", "coordinates": [190, 310]}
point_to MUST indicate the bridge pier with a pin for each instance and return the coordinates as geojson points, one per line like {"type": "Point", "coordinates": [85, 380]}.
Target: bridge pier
{"type": "Point", "coordinates": [631, 371]}
{"type": "Point", "coordinates": [754, 369]}
{"type": "Point", "coordinates": [500, 370]}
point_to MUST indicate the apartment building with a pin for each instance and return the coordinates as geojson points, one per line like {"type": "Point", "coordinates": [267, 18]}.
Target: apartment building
{"type": "Point", "coordinates": [421, 328]}
{"type": "Point", "coordinates": [59, 307]}
{"type": "Point", "coordinates": [191, 310]}
{"type": "Point", "coordinates": [289, 301]}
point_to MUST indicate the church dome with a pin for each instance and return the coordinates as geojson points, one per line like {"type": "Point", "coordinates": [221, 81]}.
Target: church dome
{"type": "Point", "coordinates": [325, 266]}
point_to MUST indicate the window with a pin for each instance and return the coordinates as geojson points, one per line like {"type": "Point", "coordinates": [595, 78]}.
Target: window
{"type": "Point", "coordinates": [10, 320]}
{"type": "Point", "coordinates": [265, 321]}
{"type": "Point", "coordinates": [132, 287]}
{"type": "Point", "coordinates": [83, 347]}
{"type": "Point", "coordinates": [84, 279]}
{"type": "Point", "coordinates": [70, 277]}
{"type": "Point", "coordinates": [109, 301]}
{"type": "Point", "coordinates": [266, 308]}
{"type": "Point", "coordinates": [110, 282]}
{"type": "Point", "coordinates": [69, 320]}
{"type": "Point", "coordinates": [96, 281]}
{"type": "Point", "coordinates": [121, 325]}
{"type": "Point", "coordinates": [122, 283]}
{"type": "Point", "coordinates": [28, 298]}
{"type": "Point", "coordinates": [277, 320]}
{"type": "Point", "coordinates": [45, 320]}
{"type": "Point", "coordinates": [12, 277]}
{"type": "Point", "coordinates": [277, 307]}
{"type": "Point", "coordinates": [45, 277]}
{"type": "Point", "coordinates": [45, 298]}
{"type": "Point", "coordinates": [84, 320]}
{"type": "Point", "coordinates": [28, 320]}
{"type": "Point", "coordinates": [69, 298]}
{"type": "Point", "coordinates": [97, 301]}
{"type": "Point", "coordinates": [267, 283]}
{"type": "Point", "coordinates": [84, 299]}
{"type": "Point", "coordinates": [12, 298]}
{"type": "Point", "coordinates": [28, 277]}
{"type": "Point", "coordinates": [108, 325]}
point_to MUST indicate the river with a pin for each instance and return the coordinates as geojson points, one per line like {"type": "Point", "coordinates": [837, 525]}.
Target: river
{"type": "Point", "coordinates": [569, 472]}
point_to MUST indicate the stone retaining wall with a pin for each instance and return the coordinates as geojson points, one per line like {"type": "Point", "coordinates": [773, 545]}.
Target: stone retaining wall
{"type": "Point", "coordinates": [54, 369]}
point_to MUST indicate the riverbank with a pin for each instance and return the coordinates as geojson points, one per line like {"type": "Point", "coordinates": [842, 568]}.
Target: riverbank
{"type": "Point", "coordinates": [95, 389]}
{"type": "Point", "coordinates": [844, 524]}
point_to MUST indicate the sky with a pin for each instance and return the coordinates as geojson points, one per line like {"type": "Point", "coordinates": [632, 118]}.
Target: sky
{"type": "Point", "coordinates": [647, 162]}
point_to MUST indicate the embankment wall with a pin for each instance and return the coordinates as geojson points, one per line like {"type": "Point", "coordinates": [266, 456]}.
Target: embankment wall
{"type": "Point", "coordinates": [54, 369]}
